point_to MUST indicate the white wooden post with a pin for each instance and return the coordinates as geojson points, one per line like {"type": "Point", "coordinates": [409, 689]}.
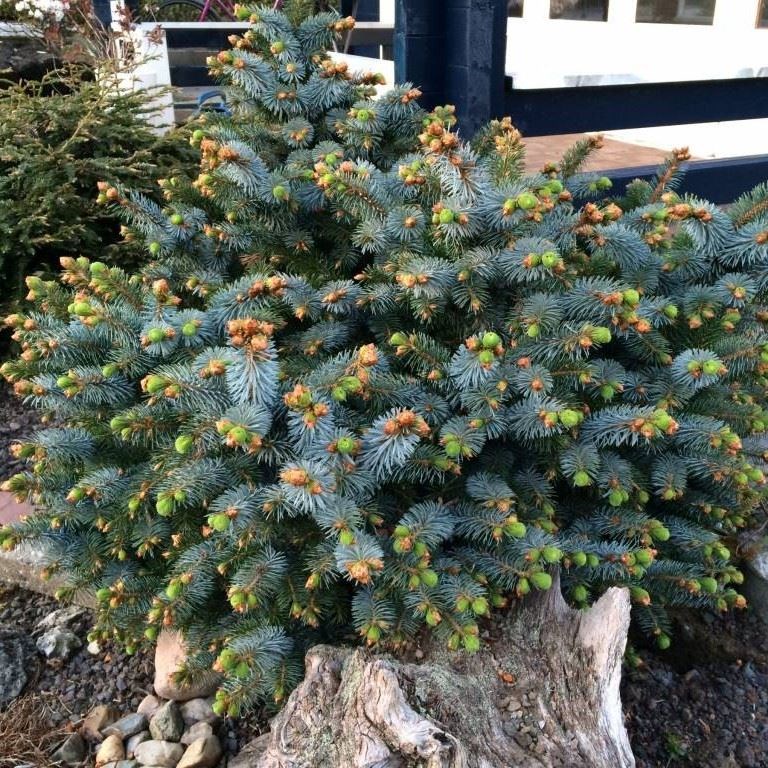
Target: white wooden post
{"type": "Point", "coordinates": [736, 15]}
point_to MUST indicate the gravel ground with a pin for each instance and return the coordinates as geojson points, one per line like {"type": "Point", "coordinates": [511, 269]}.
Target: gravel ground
{"type": "Point", "coordinates": [703, 703]}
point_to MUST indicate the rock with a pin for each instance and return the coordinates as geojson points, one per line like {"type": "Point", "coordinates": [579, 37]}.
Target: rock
{"type": "Point", "coordinates": [63, 618]}
{"type": "Point", "coordinates": [72, 752]}
{"type": "Point", "coordinates": [199, 711]}
{"type": "Point", "coordinates": [149, 705]}
{"type": "Point", "coordinates": [126, 726]}
{"type": "Point", "coordinates": [756, 582]}
{"type": "Point", "coordinates": [121, 764]}
{"type": "Point", "coordinates": [134, 741]}
{"type": "Point", "coordinates": [110, 751]}
{"type": "Point", "coordinates": [202, 753]}
{"type": "Point", "coordinates": [167, 724]}
{"type": "Point", "coordinates": [196, 731]}
{"type": "Point", "coordinates": [93, 648]}
{"type": "Point", "coordinates": [170, 654]}
{"type": "Point", "coordinates": [18, 664]}
{"type": "Point", "coordinates": [97, 719]}
{"type": "Point", "coordinates": [58, 643]}
{"type": "Point", "coordinates": [163, 754]}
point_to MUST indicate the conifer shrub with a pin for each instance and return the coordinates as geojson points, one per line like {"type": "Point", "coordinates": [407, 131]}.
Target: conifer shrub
{"type": "Point", "coordinates": [377, 381]}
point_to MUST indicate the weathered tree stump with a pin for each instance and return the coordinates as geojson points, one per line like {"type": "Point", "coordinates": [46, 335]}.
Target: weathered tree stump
{"type": "Point", "coordinates": [545, 692]}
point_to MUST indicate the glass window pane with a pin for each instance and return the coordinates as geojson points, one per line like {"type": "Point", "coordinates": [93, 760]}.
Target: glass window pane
{"type": "Point", "coordinates": [582, 10]}
{"type": "Point", "coordinates": [676, 11]}
{"type": "Point", "coordinates": [515, 8]}
{"type": "Point", "coordinates": [762, 19]}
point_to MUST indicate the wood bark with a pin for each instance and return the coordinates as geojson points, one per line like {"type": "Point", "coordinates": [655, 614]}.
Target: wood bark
{"type": "Point", "coordinates": [543, 692]}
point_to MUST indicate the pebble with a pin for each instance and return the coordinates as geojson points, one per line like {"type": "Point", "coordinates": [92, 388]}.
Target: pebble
{"type": "Point", "coordinates": [127, 726]}
{"type": "Point", "coordinates": [197, 711]}
{"type": "Point", "coordinates": [196, 731]}
{"type": "Point", "coordinates": [58, 643]}
{"type": "Point", "coordinates": [164, 754]}
{"type": "Point", "coordinates": [134, 741]}
{"type": "Point", "coordinates": [149, 705]}
{"type": "Point", "coordinates": [167, 724]}
{"type": "Point", "coordinates": [97, 720]}
{"type": "Point", "coordinates": [72, 751]}
{"type": "Point", "coordinates": [201, 753]}
{"type": "Point", "coordinates": [110, 751]}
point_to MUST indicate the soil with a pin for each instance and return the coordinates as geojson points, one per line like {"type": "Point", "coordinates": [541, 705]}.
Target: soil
{"type": "Point", "coordinates": [702, 703]}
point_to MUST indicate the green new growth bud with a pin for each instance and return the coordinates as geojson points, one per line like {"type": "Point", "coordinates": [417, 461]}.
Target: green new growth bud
{"type": "Point", "coordinates": [219, 522]}
{"type": "Point", "coordinates": [446, 216]}
{"type": "Point", "coordinates": [164, 506]}
{"type": "Point", "coordinates": [616, 498]}
{"type": "Point", "coordinates": [604, 183]}
{"type": "Point", "coordinates": [103, 594]}
{"type": "Point", "coordinates": [64, 382]}
{"type": "Point", "coordinates": [279, 192]}
{"type": "Point", "coordinates": [109, 370]}
{"type": "Point", "coordinates": [593, 560]}
{"type": "Point", "coordinates": [151, 633]}
{"type": "Point", "coordinates": [516, 530]}
{"type": "Point", "coordinates": [133, 504]}
{"type": "Point", "coordinates": [708, 584]}
{"type": "Point", "coordinates": [607, 392]}
{"type": "Point", "coordinates": [640, 595]}
{"type": "Point", "coordinates": [570, 418]}
{"type": "Point", "coordinates": [363, 115]}
{"type": "Point", "coordinates": [580, 593]}
{"type": "Point", "coordinates": [533, 331]}
{"type": "Point", "coordinates": [601, 335]}
{"type": "Point", "coordinates": [398, 339]}
{"type": "Point", "coordinates": [238, 435]}
{"type": "Point", "coordinates": [556, 186]}
{"type": "Point", "coordinates": [429, 577]}
{"type": "Point", "coordinates": [711, 367]}
{"type": "Point", "coordinates": [552, 554]}
{"type": "Point", "coordinates": [156, 335]}
{"type": "Point", "coordinates": [180, 496]}
{"type": "Point", "coordinates": [526, 201]}
{"type": "Point", "coordinates": [490, 340]}
{"type": "Point", "coordinates": [631, 297]}
{"type": "Point", "coordinates": [663, 641]}
{"type": "Point", "coordinates": [463, 604]}
{"type": "Point", "coordinates": [549, 259]}
{"type": "Point", "coordinates": [373, 635]}
{"type": "Point", "coordinates": [660, 533]}
{"type": "Point", "coordinates": [83, 309]}
{"type": "Point", "coordinates": [485, 357]}
{"type": "Point", "coordinates": [579, 559]}
{"type": "Point", "coordinates": [189, 329]}
{"type": "Point", "coordinates": [671, 311]}
{"type": "Point", "coordinates": [339, 394]}
{"type": "Point", "coordinates": [471, 643]}
{"type": "Point", "coordinates": [644, 557]}
{"type": "Point", "coordinates": [174, 589]}
{"type": "Point", "coordinates": [419, 549]}
{"type": "Point", "coordinates": [581, 479]}
{"type": "Point", "coordinates": [541, 580]}
{"type": "Point", "coordinates": [523, 587]}
{"type": "Point", "coordinates": [156, 384]}
{"type": "Point", "coordinates": [347, 538]}
{"type": "Point", "coordinates": [154, 248]}
{"type": "Point", "coordinates": [345, 445]}
{"type": "Point", "coordinates": [177, 219]}
{"type": "Point", "coordinates": [480, 606]}
{"type": "Point", "coordinates": [97, 267]}
{"type": "Point", "coordinates": [452, 448]}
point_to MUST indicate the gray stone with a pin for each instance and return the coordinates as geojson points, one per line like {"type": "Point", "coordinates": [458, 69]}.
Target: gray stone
{"type": "Point", "coordinates": [63, 618]}
{"type": "Point", "coordinates": [167, 724]}
{"type": "Point", "coordinates": [96, 720]}
{"type": "Point", "coordinates": [110, 751]}
{"type": "Point", "coordinates": [202, 753]}
{"type": "Point", "coordinates": [93, 648]}
{"type": "Point", "coordinates": [196, 731]}
{"type": "Point", "coordinates": [149, 705]}
{"type": "Point", "coordinates": [127, 726]}
{"type": "Point", "coordinates": [72, 752]}
{"type": "Point", "coordinates": [163, 754]}
{"type": "Point", "coordinates": [121, 764]}
{"type": "Point", "coordinates": [199, 711]}
{"type": "Point", "coordinates": [134, 741]}
{"type": "Point", "coordinates": [18, 663]}
{"type": "Point", "coordinates": [58, 643]}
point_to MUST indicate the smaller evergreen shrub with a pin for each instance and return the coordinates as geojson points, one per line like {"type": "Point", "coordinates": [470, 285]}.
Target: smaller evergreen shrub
{"type": "Point", "coordinates": [58, 137]}
{"type": "Point", "coordinates": [377, 380]}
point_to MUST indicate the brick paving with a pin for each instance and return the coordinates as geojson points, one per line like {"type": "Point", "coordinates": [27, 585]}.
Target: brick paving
{"type": "Point", "coordinates": [614, 154]}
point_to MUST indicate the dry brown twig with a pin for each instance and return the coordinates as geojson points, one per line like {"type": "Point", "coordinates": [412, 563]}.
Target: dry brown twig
{"type": "Point", "coordinates": [27, 734]}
